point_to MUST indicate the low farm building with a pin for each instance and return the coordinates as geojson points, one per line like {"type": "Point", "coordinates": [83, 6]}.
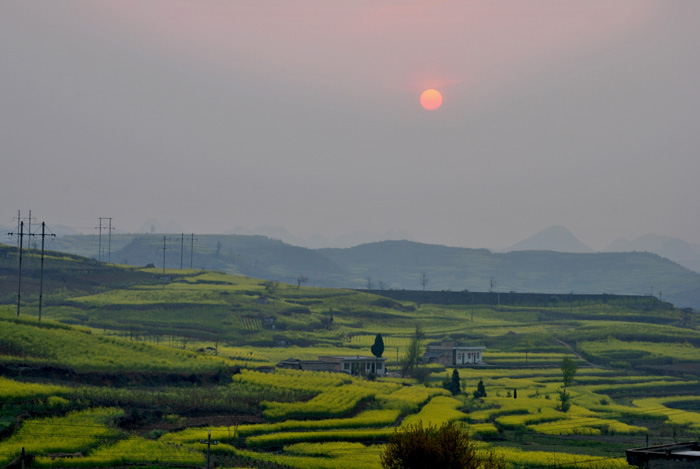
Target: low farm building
{"type": "Point", "coordinates": [351, 364]}
{"type": "Point", "coordinates": [677, 455]}
{"type": "Point", "coordinates": [450, 354]}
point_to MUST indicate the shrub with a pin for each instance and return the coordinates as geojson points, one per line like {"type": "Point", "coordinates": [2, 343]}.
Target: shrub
{"type": "Point", "coordinates": [448, 446]}
{"type": "Point", "coordinates": [480, 390]}
{"type": "Point", "coordinates": [453, 385]}
{"type": "Point", "coordinates": [421, 374]}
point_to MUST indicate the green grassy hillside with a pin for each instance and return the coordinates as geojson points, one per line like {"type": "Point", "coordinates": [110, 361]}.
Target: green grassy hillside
{"type": "Point", "coordinates": [192, 309]}
{"type": "Point", "coordinates": [255, 256]}
{"type": "Point", "coordinates": [129, 367]}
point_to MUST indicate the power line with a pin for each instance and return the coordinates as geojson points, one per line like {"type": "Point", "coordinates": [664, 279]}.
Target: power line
{"type": "Point", "coordinates": [164, 248]}
{"type": "Point", "coordinates": [192, 240]}
{"type": "Point", "coordinates": [19, 220]}
{"type": "Point", "coordinates": [99, 242]}
{"type": "Point", "coordinates": [182, 248]}
{"type": "Point", "coordinates": [21, 234]}
{"type": "Point", "coordinates": [41, 281]}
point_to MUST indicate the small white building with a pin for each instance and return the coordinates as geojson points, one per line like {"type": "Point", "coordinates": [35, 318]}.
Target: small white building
{"type": "Point", "coordinates": [350, 364]}
{"type": "Point", "coordinates": [450, 354]}
{"type": "Point", "coordinates": [357, 364]}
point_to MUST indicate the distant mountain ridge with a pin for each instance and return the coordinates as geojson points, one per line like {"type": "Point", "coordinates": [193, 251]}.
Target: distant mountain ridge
{"type": "Point", "coordinates": [154, 226]}
{"type": "Point", "coordinates": [627, 273]}
{"type": "Point", "coordinates": [672, 248]}
{"type": "Point", "coordinates": [555, 238]}
{"type": "Point", "coordinates": [318, 241]}
{"type": "Point", "coordinates": [400, 264]}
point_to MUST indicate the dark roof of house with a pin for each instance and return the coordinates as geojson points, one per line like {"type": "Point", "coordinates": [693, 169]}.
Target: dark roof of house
{"type": "Point", "coordinates": [689, 451]}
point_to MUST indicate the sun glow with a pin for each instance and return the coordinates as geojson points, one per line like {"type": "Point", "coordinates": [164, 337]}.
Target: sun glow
{"type": "Point", "coordinates": [431, 99]}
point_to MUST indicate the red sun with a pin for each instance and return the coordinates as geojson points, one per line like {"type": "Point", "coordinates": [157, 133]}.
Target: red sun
{"type": "Point", "coordinates": [431, 99]}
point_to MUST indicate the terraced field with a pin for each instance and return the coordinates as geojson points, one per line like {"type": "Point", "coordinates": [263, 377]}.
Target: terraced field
{"type": "Point", "coordinates": [141, 372]}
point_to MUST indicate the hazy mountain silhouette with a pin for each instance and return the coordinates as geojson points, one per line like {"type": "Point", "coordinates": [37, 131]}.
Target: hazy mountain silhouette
{"type": "Point", "coordinates": [669, 247]}
{"type": "Point", "coordinates": [317, 241]}
{"type": "Point", "coordinates": [400, 264]}
{"type": "Point", "coordinates": [555, 238]}
{"type": "Point", "coordinates": [154, 226]}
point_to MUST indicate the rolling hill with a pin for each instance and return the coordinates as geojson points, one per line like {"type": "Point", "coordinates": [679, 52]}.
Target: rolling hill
{"type": "Point", "coordinates": [667, 246]}
{"type": "Point", "coordinates": [163, 361]}
{"type": "Point", "coordinates": [399, 265]}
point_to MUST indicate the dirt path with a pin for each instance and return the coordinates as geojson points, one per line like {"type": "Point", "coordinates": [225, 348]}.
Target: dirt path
{"type": "Point", "coordinates": [578, 355]}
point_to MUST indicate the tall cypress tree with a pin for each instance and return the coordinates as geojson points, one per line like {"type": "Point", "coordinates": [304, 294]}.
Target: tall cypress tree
{"type": "Point", "coordinates": [377, 349]}
{"type": "Point", "coordinates": [453, 385]}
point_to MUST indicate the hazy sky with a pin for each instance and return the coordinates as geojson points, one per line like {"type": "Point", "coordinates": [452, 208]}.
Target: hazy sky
{"type": "Point", "coordinates": [306, 114]}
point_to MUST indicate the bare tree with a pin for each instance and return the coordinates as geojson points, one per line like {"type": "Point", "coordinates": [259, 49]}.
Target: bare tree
{"type": "Point", "coordinates": [301, 279]}
{"type": "Point", "coordinates": [413, 352]}
{"type": "Point", "coordinates": [369, 283]}
{"type": "Point", "coordinates": [381, 284]}
{"type": "Point", "coordinates": [271, 287]}
{"type": "Point", "coordinates": [492, 283]}
{"type": "Point", "coordinates": [424, 280]}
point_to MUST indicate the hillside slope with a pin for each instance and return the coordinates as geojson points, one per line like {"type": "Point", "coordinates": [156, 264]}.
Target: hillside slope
{"type": "Point", "coordinates": [254, 256]}
{"type": "Point", "coordinates": [400, 263]}
{"type": "Point", "coordinates": [667, 246]}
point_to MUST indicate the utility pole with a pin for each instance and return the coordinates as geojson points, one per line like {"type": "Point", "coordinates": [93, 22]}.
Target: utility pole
{"type": "Point", "coordinates": [182, 247]}
{"type": "Point", "coordinates": [41, 281]}
{"type": "Point", "coordinates": [208, 449]}
{"type": "Point", "coordinates": [29, 230]}
{"type": "Point", "coordinates": [208, 442]}
{"type": "Point", "coordinates": [99, 242]}
{"type": "Point", "coordinates": [21, 236]}
{"type": "Point", "coordinates": [164, 238]}
{"type": "Point", "coordinates": [19, 220]}
{"type": "Point", "coordinates": [192, 240]}
{"type": "Point", "coordinates": [19, 272]}
{"type": "Point", "coordinates": [164, 248]}
{"type": "Point", "coordinates": [109, 237]}
{"type": "Point", "coordinates": [109, 241]}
